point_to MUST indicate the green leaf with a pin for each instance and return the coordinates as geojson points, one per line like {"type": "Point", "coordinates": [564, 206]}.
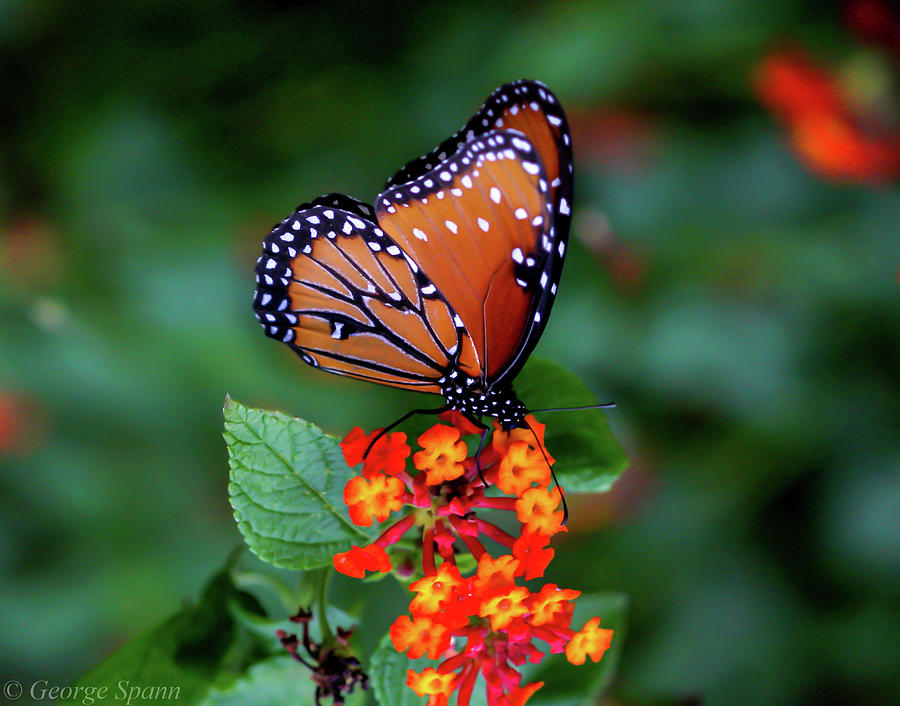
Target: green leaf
{"type": "Point", "coordinates": [287, 482]}
{"type": "Point", "coordinates": [588, 458]}
{"type": "Point", "coordinates": [566, 684]}
{"type": "Point", "coordinates": [277, 680]}
{"type": "Point", "coordinates": [180, 659]}
{"type": "Point", "coordinates": [387, 675]}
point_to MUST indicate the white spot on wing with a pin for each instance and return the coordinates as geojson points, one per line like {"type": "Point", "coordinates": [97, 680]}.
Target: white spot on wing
{"type": "Point", "coordinates": [483, 224]}
{"type": "Point", "coordinates": [521, 144]}
{"type": "Point", "coordinates": [451, 226]}
{"type": "Point", "coordinates": [420, 235]}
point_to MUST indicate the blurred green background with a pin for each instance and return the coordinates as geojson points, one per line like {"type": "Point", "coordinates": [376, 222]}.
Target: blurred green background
{"type": "Point", "coordinates": [741, 310]}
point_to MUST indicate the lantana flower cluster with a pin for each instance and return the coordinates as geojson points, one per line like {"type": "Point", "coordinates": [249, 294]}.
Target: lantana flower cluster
{"type": "Point", "coordinates": [485, 623]}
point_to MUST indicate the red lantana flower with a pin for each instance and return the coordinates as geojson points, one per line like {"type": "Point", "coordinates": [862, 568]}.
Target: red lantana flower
{"type": "Point", "coordinates": [387, 455]}
{"type": "Point", "coordinates": [359, 560]}
{"type": "Point", "coordinates": [485, 623]}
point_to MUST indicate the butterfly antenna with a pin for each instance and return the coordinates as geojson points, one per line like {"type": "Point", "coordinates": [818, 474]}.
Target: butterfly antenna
{"type": "Point", "coordinates": [605, 405]}
{"type": "Point", "coordinates": [400, 421]}
{"type": "Point", "coordinates": [562, 494]}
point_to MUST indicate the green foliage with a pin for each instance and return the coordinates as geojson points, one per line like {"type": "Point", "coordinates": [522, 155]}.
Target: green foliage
{"type": "Point", "coordinates": [276, 680]}
{"type": "Point", "coordinates": [588, 458]}
{"type": "Point", "coordinates": [198, 647]}
{"type": "Point", "coordinates": [287, 482]}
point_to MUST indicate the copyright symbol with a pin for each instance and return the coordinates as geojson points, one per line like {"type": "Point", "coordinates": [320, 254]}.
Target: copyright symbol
{"type": "Point", "coordinates": [12, 689]}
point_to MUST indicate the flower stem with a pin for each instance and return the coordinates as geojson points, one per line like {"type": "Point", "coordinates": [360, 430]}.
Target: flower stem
{"type": "Point", "coordinates": [320, 578]}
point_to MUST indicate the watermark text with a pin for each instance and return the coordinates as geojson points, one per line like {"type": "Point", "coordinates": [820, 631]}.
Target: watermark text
{"type": "Point", "coordinates": [124, 691]}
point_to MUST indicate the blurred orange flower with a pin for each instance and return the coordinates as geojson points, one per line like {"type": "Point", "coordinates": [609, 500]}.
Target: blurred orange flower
{"type": "Point", "coordinates": [834, 135]}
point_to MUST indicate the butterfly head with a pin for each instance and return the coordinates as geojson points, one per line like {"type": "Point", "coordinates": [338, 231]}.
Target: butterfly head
{"type": "Point", "coordinates": [468, 395]}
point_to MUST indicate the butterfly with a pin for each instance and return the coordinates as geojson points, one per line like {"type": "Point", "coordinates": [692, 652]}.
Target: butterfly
{"type": "Point", "coordinates": [445, 284]}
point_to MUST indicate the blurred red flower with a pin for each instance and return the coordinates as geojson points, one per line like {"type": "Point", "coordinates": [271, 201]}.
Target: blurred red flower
{"type": "Point", "coordinates": [835, 135]}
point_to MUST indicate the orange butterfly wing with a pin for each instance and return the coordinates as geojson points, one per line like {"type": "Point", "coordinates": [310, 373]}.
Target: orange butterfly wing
{"type": "Point", "coordinates": [472, 225]}
{"type": "Point", "coordinates": [338, 290]}
{"type": "Point", "coordinates": [530, 108]}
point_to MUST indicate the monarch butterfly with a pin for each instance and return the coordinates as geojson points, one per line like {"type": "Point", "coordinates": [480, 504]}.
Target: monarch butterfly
{"type": "Point", "coordinates": [446, 285]}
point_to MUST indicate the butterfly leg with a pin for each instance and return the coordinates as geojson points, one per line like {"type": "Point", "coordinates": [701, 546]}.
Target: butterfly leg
{"type": "Point", "coordinates": [562, 494]}
{"type": "Point", "coordinates": [400, 421]}
{"type": "Point", "coordinates": [485, 429]}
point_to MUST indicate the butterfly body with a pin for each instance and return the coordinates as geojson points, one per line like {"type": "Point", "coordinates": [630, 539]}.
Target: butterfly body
{"type": "Point", "coordinates": [446, 284]}
{"type": "Point", "coordinates": [467, 395]}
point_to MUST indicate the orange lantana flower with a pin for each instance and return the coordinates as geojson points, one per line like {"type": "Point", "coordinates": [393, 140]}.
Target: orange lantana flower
{"type": "Point", "coordinates": [533, 435]}
{"type": "Point", "coordinates": [495, 573]}
{"type": "Point", "coordinates": [505, 606]}
{"type": "Point", "coordinates": [419, 635]}
{"type": "Point", "coordinates": [591, 642]}
{"type": "Point", "coordinates": [436, 590]}
{"type": "Point", "coordinates": [536, 509]}
{"type": "Point", "coordinates": [430, 682]}
{"type": "Point", "coordinates": [550, 602]}
{"type": "Point", "coordinates": [379, 495]}
{"type": "Point", "coordinates": [520, 467]}
{"type": "Point", "coordinates": [442, 454]}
